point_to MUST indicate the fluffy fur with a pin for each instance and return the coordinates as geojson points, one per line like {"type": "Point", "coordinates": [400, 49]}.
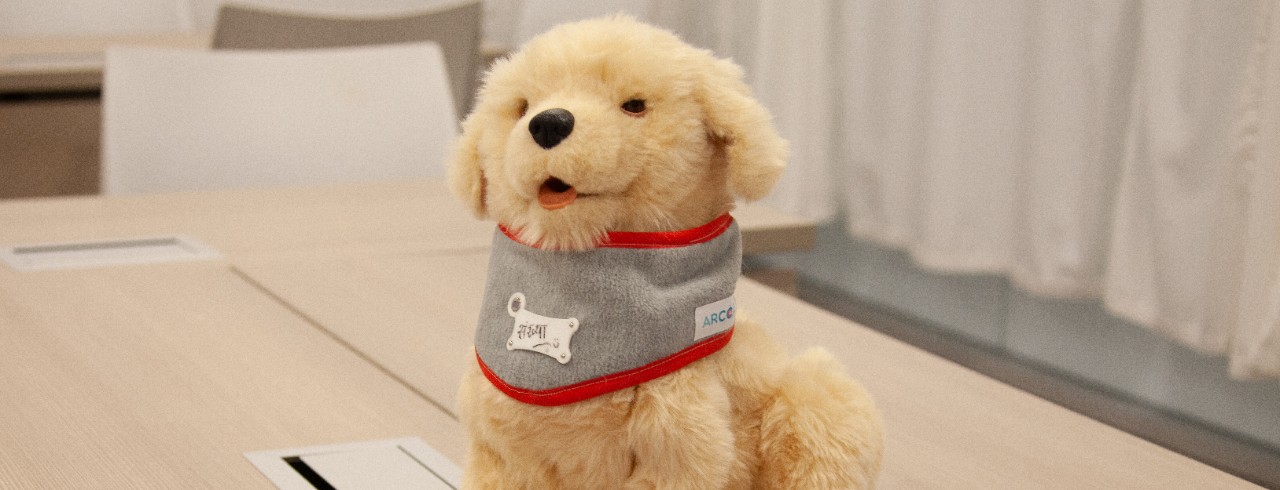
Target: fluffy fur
{"type": "Point", "coordinates": [744, 417]}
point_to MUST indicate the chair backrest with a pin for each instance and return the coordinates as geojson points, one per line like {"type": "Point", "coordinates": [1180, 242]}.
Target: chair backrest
{"type": "Point", "coordinates": [457, 29]}
{"type": "Point", "coordinates": [176, 120]}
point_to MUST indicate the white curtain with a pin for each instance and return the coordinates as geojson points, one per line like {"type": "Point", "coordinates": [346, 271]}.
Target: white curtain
{"type": "Point", "coordinates": [1255, 344]}
{"type": "Point", "coordinates": [1088, 149]}
{"type": "Point", "coordinates": [1174, 259]}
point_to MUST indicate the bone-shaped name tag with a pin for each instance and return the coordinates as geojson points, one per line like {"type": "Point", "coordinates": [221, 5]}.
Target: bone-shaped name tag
{"type": "Point", "coordinates": [537, 333]}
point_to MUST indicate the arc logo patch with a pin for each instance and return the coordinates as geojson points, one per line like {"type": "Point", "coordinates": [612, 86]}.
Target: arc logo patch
{"type": "Point", "coordinates": [711, 319]}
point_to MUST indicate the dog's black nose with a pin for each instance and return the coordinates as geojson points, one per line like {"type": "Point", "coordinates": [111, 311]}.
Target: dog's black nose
{"type": "Point", "coordinates": [551, 126]}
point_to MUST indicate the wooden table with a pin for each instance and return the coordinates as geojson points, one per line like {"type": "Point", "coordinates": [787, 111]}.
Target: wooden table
{"type": "Point", "coordinates": [345, 313]}
{"type": "Point", "coordinates": [163, 376]}
{"type": "Point", "coordinates": [948, 427]}
{"type": "Point", "coordinates": [405, 216]}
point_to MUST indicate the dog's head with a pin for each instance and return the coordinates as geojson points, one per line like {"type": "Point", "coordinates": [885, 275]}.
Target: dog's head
{"type": "Point", "coordinates": [612, 125]}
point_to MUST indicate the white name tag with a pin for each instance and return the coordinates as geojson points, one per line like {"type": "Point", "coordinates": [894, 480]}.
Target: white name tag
{"type": "Point", "coordinates": [537, 333]}
{"type": "Point", "coordinates": [711, 319]}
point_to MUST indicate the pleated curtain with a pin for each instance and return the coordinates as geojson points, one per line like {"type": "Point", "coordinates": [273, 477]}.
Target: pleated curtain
{"type": "Point", "coordinates": [1127, 151]}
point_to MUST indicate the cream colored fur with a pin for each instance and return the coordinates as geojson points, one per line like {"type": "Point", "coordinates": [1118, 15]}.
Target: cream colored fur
{"type": "Point", "coordinates": [744, 417]}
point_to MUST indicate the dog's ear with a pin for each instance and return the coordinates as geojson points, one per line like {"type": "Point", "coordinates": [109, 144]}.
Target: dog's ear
{"type": "Point", "coordinates": [466, 174]}
{"type": "Point", "coordinates": [744, 129]}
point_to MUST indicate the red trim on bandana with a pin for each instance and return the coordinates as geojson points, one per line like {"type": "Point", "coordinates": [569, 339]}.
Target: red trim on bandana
{"type": "Point", "coordinates": [654, 239]}
{"type": "Point", "coordinates": [612, 382]}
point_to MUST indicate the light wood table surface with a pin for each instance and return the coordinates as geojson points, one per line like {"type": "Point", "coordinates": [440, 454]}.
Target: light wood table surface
{"type": "Point", "coordinates": [948, 427]}
{"type": "Point", "coordinates": [418, 215]}
{"type": "Point", "coordinates": [162, 376]}
{"type": "Point", "coordinates": [340, 219]}
{"type": "Point", "coordinates": [345, 313]}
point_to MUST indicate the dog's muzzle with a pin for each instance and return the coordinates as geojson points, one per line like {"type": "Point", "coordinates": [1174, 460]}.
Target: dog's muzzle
{"type": "Point", "coordinates": [555, 194]}
{"type": "Point", "coordinates": [550, 127]}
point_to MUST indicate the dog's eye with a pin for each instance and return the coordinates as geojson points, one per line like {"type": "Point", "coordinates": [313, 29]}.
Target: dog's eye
{"type": "Point", "coordinates": [522, 106]}
{"type": "Point", "coordinates": [634, 107]}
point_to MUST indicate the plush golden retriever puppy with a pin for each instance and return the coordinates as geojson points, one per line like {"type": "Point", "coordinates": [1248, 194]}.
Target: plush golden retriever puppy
{"type": "Point", "coordinates": [609, 351]}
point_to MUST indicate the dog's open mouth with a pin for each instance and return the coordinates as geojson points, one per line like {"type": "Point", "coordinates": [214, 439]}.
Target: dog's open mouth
{"type": "Point", "coordinates": [555, 194]}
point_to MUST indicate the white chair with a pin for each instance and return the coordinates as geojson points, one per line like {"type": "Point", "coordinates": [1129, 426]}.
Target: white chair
{"type": "Point", "coordinates": [180, 120]}
{"type": "Point", "coordinates": [456, 28]}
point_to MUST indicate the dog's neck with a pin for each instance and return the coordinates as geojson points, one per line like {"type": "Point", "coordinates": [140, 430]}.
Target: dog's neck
{"type": "Point", "coordinates": [563, 326]}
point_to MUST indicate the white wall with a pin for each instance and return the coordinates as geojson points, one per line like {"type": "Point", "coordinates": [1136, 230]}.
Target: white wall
{"type": "Point", "coordinates": [36, 18]}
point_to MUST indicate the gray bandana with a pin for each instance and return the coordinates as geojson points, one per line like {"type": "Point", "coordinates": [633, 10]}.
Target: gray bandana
{"type": "Point", "coordinates": [558, 327]}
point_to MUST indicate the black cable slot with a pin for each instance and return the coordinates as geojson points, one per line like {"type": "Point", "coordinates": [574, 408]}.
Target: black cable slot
{"type": "Point", "coordinates": [308, 473]}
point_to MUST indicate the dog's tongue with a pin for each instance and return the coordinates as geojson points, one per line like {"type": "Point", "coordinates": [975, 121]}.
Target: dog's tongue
{"type": "Point", "coordinates": [555, 194]}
